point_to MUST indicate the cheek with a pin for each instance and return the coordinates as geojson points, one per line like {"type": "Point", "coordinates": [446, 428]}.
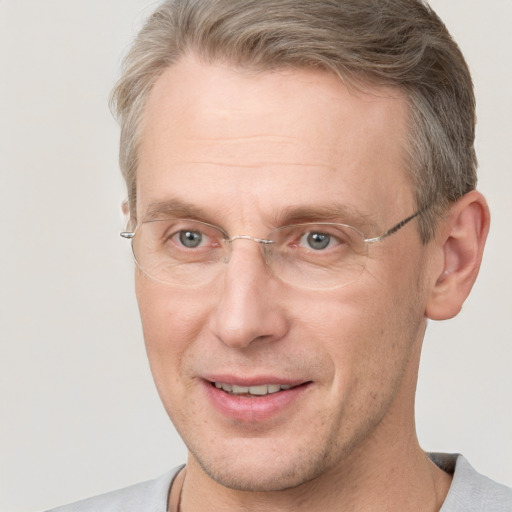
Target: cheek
{"type": "Point", "coordinates": [367, 350]}
{"type": "Point", "coordinates": [347, 323]}
{"type": "Point", "coordinates": [171, 321]}
{"type": "Point", "coordinates": [393, 320]}
{"type": "Point", "coordinates": [365, 328]}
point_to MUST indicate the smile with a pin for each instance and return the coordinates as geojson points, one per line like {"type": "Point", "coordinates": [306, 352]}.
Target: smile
{"type": "Point", "coordinates": [260, 390]}
{"type": "Point", "coordinates": [253, 399]}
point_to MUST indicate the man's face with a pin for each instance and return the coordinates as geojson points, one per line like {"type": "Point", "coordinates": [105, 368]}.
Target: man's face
{"type": "Point", "coordinates": [244, 149]}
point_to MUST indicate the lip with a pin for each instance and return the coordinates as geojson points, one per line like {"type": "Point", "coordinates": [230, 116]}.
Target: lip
{"type": "Point", "coordinates": [253, 409]}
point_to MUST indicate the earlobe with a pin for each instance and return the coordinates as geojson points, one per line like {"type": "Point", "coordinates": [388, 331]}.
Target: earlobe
{"type": "Point", "coordinates": [461, 243]}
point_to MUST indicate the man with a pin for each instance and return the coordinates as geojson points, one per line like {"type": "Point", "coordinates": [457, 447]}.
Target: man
{"type": "Point", "coordinates": [301, 195]}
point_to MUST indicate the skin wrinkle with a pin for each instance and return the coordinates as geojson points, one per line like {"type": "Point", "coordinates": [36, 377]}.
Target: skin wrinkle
{"type": "Point", "coordinates": [261, 163]}
{"type": "Point", "coordinates": [218, 145]}
{"type": "Point", "coordinates": [258, 138]}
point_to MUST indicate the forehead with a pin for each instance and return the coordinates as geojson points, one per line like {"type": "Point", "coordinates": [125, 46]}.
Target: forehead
{"type": "Point", "coordinates": [220, 136]}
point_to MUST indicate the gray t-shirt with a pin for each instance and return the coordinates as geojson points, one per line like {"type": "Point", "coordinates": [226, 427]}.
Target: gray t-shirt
{"type": "Point", "coordinates": [469, 492]}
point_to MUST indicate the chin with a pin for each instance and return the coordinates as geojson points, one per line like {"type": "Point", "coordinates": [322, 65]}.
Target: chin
{"type": "Point", "coordinates": [262, 480]}
{"type": "Point", "coordinates": [260, 469]}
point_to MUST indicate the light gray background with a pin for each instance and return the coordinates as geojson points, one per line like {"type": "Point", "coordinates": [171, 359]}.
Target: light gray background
{"type": "Point", "coordinates": [79, 414]}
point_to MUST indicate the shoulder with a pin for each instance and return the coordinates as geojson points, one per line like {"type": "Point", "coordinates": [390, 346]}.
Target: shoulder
{"type": "Point", "coordinates": [470, 491]}
{"type": "Point", "coordinates": [151, 496]}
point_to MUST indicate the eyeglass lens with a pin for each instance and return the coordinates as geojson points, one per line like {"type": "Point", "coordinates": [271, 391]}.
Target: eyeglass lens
{"type": "Point", "coordinates": [184, 252]}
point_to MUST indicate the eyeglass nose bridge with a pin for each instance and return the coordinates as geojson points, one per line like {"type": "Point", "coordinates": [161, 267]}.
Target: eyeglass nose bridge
{"type": "Point", "coordinates": [247, 237]}
{"type": "Point", "coordinates": [264, 244]}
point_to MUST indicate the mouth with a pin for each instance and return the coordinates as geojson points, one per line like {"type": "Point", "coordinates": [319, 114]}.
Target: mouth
{"type": "Point", "coordinates": [253, 400]}
{"type": "Point", "coordinates": [253, 391]}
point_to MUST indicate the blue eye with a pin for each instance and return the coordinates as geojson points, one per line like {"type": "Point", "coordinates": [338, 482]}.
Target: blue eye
{"type": "Point", "coordinates": [317, 241]}
{"type": "Point", "coordinates": [190, 239]}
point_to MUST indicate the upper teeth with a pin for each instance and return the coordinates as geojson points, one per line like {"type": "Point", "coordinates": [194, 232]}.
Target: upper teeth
{"type": "Point", "coordinates": [264, 389]}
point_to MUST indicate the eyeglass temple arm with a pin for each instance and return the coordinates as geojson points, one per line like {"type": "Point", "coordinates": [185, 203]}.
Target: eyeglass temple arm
{"type": "Point", "coordinates": [127, 234]}
{"type": "Point", "coordinates": [395, 228]}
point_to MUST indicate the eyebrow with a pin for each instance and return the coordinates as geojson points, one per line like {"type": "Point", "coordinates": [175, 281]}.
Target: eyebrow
{"type": "Point", "coordinates": [292, 214]}
{"type": "Point", "coordinates": [338, 213]}
{"type": "Point", "coordinates": [174, 208]}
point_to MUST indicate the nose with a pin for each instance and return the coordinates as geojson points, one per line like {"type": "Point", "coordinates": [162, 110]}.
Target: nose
{"type": "Point", "coordinates": [249, 308]}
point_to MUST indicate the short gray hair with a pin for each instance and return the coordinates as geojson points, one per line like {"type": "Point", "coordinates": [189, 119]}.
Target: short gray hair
{"type": "Point", "coordinates": [397, 43]}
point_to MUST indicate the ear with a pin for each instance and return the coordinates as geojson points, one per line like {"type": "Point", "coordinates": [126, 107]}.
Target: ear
{"type": "Point", "coordinates": [461, 241]}
{"type": "Point", "coordinates": [125, 208]}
